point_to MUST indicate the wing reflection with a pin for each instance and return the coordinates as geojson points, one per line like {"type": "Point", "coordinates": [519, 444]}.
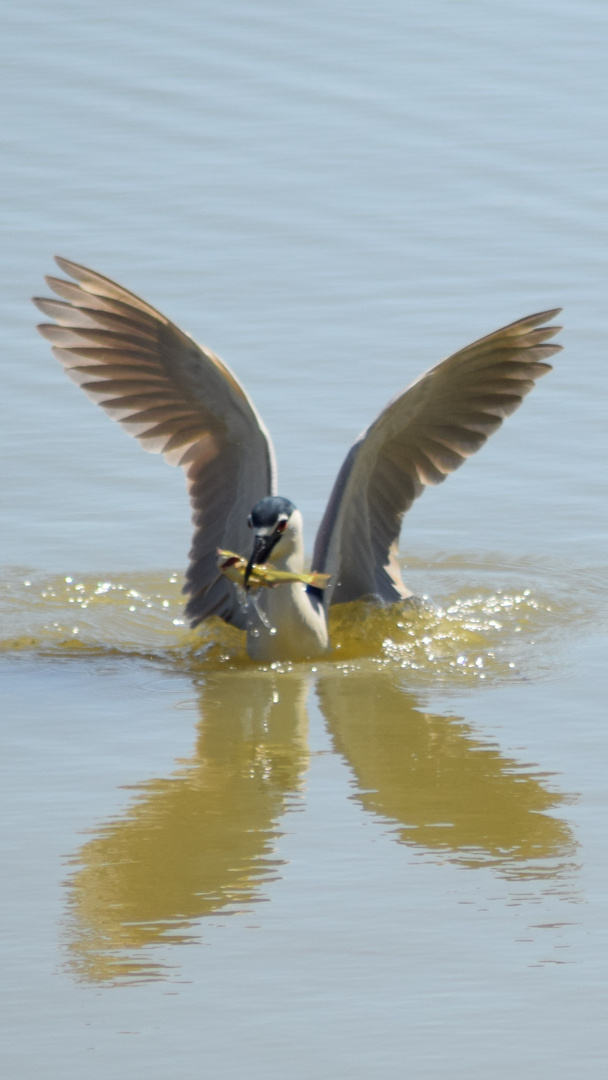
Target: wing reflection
{"type": "Point", "coordinates": [199, 841]}
{"type": "Point", "coordinates": [448, 791]}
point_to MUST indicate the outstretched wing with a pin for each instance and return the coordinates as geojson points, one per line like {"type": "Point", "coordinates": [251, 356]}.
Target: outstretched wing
{"type": "Point", "coordinates": [178, 399]}
{"type": "Point", "coordinates": [422, 435]}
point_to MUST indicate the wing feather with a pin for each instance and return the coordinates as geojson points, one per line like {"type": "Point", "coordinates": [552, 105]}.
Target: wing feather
{"type": "Point", "coordinates": [178, 399]}
{"type": "Point", "coordinates": [422, 436]}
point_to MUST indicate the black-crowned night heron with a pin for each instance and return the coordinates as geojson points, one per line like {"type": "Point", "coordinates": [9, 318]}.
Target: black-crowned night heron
{"type": "Point", "coordinates": [179, 399]}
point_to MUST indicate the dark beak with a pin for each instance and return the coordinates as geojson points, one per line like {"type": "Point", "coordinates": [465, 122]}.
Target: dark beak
{"type": "Point", "coordinates": [262, 547]}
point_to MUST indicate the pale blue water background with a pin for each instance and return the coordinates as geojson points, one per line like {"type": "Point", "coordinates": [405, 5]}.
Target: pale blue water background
{"type": "Point", "coordinates": [333, 197]}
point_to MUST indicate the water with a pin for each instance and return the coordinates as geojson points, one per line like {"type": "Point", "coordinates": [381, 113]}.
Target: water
{"type": "Point", "coordinates": [393, 860]}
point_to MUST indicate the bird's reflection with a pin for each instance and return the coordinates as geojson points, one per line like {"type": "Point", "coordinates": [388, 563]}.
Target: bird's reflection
{"type": "Point", "coordinates": [202, 841]}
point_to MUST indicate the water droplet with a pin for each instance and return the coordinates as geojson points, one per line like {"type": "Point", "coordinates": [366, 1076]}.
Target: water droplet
{"type": "Point", "coordinates": [273, 630]}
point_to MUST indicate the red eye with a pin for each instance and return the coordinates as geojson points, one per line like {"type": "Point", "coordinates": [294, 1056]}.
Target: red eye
{"type": "Point", "coordinates": [281, 526]}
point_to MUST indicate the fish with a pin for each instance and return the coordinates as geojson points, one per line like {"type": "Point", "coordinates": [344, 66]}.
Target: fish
{"type": "Point", "coordinates": [233, 567]}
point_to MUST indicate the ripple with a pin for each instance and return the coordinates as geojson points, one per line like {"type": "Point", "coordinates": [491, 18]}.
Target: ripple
{"type": "Point", "coordinates": [490, 619]}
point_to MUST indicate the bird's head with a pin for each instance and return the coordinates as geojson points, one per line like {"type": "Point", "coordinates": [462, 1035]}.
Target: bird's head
{"type": "Point", "coordinates": [278, 530]}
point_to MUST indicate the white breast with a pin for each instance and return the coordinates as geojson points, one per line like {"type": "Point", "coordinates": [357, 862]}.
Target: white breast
{"type": "Point", "coordinates": [285, 624]}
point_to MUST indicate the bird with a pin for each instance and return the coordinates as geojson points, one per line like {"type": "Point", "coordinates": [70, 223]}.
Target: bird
{"type": "Point", "coordinates": [179, 399]}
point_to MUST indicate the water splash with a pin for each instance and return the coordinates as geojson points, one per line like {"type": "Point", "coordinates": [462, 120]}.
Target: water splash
{"type": "Point", "coordinates": [472, 631]}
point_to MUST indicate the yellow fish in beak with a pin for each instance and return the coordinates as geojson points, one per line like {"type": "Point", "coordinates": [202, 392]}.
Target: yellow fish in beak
{"type": "Point", "coordinates": [233, 567]}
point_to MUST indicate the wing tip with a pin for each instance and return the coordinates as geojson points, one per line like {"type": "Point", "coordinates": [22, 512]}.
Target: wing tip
{"type": "Point", "coordinates": [537, 319]}
{"type": "Point", "coordinates": [546, 316]}
{"type": "Point", "coordinates": [67, 265]}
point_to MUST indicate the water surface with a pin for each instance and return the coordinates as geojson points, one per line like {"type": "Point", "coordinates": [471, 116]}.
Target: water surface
{"type": "Point", "coordinates": [393, 860]}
